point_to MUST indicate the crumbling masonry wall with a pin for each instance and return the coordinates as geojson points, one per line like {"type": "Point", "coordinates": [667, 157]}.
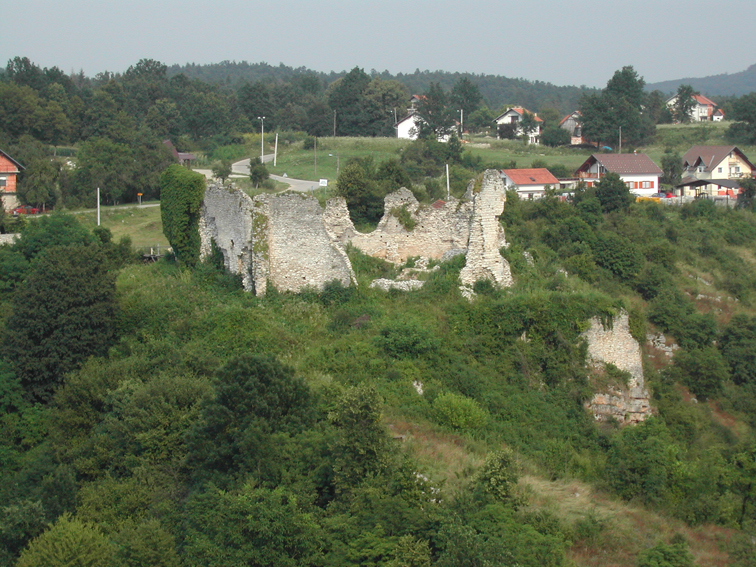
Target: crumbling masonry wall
{"type": "Point", "coordinates": [438, 228]}
{"type": "Point", "coordinates": [287, 240]}
{"type": "Point", "coordinates": [484, 262]}
{"type": "Point", "coordinates": [615, 345]}
{"type": "Point", "coordinates": [276, 239]}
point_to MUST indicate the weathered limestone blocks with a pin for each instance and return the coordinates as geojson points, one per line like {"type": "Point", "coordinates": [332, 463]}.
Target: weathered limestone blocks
{"type": "Point", "coordinates": [626, 403]}
{"type": "Point", "coordinates": [484, 262]}
{"type": "Point", "coordinates": [227, 218]}
{"type": "Point", "coordinates": [289, 241]}
{"type": "Point", "coordinates": [402, 285]}
{"type": "Point", "coordinates": [438, 228]}
{"type": "Point", "coordinates": [279, 239]}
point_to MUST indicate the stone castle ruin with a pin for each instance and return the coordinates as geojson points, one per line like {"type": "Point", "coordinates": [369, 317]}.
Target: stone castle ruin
{"type": "Point", "coordinates": [290, 242]}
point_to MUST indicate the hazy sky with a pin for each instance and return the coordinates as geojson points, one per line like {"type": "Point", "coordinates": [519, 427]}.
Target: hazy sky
{"type": "Point", "coordinates": [562, 42]}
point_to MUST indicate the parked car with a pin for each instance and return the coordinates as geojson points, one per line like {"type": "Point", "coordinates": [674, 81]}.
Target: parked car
{"type": "Point", "coordinates": [26, 210]}
{"type": "Point", "coordinates": [663, 195]}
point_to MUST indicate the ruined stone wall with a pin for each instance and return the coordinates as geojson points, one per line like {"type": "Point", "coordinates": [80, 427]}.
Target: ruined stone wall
{"type": "Point", "coordinates": [484, 262]}
{"type": "Point", "coordinates": [301, 253]}
{"type": "Point", "coordinates": [438, 228]}
{"type": "Point", "coordinates": [227, 219]}
{"type": "Point", "coordinates": [276, 239]}
{"type": "Point", "coordinates": [615, 345]}
{"type": "Point", "coordinates": [289, 241]}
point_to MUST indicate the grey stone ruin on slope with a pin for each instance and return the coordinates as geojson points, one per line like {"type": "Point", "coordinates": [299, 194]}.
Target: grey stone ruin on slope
{"type": "Point", "coordinates": [288, 241]}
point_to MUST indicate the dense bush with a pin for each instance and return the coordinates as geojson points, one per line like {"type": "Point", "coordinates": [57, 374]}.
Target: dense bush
{"type": "Point", "coordinates": [182, 191]}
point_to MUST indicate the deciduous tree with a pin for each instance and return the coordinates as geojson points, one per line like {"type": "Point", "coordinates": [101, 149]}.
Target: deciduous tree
{"type": "Point", "coordinates": [63, 313]}
{"type": "Point", "coordinates": [684, 104]}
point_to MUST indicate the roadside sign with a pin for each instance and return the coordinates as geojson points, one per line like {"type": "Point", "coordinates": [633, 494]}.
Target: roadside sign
{"type": "Point", "coordinates": [324, 183]}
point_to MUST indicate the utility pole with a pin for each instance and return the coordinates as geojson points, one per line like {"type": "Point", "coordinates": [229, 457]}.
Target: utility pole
{"type": "Point", "coordinates": [334, 123]}
{"type": "Point", "coordinates": [262, 138]}
{"type": "Point", "coordinates": [98, 206]}
{"type": "Point", "coordinates": [316, 155]}
{"type": "Point", "coordinates": [620, 139]}
{"type": "Point", "coordinates": [461, 122]}
{"type": "Point", "coordinates": [448, 192]}
{"type": "Point", "coordinates": [275, 151]}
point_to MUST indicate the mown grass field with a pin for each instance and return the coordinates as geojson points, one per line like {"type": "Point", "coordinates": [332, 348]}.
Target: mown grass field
{"type": "Point", "coordinates": [142, 224]}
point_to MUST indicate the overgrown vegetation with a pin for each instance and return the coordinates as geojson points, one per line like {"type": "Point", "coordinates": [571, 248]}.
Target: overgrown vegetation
{"type": "Point", "coordinates": [216, 415]}
{"type": "Point", "coordinates": [182, 192]}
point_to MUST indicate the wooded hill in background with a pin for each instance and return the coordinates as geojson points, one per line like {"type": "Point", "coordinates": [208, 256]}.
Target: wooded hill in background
{"type": "Point", "coordinates": [726, 84]}
{"type": "Point", "coordinates": [497, 90]}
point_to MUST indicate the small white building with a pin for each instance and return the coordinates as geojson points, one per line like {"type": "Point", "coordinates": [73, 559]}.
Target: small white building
{"type": "Point", "coordinates": [703, 110]}
{"type": "Point", "coordinates": [529, 183]}
{"type": "Point", "coordinates": [640, 174]}
{"type": "Point", "coordinates": [408, 127]}
{"type": "Point", "coordinates": [514, 115]}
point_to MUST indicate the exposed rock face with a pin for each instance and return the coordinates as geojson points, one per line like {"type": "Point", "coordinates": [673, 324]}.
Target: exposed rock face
{"type": "Point", "coordinates": [627, 403]}
{"type": "Point", "coordinates": [484, 262]}
{"type": "Point", "coordinates": [279, 239]}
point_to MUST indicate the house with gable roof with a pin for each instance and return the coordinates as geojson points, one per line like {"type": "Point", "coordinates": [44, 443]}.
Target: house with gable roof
{"type": "Point", "coordinates": [571, 123]}
{"type": "Point", "coordinates": [514, 115]}
{"type": "Point", "coordinates": [703, 110]}
{"type": "Point", "coordinates": [9, 170]}
{"type": "Point", "coordinates": [638, 171]}
{"type": "Point", "coordinates": [723, 165]}
{"type": "Point", "coordinates": [529, 183]}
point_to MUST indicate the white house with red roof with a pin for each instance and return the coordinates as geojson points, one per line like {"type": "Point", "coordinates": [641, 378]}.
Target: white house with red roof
{"type": "Point", "coordinates": [514, 115]}
{"type": "Point", "coordinates": [704, 109]}
{"type": "Point", "coordinates": [640, 174]}
{"type": "Point", "coordinates": [529, 183]}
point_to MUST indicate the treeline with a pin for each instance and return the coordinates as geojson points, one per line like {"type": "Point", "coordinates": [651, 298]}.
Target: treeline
{"type": "Point", "coordinates": [497, 90]}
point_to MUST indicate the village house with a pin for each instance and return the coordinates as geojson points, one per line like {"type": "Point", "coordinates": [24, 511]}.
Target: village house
{"type": "Point", "coordinates": [703, 110]}
{"type": "Point", "coordinates": [408, 127]}
{"type": "Point", "coordinates": [9, 169]}
{"type": "Point", "coordinates": [514, 116]}
{"type": "Point", "coordinates": [640, 174]}
{"type": "Point", "coordinates": [724, 166]}
{"type": "Point", "coordinates": [571, 123]}
{"type": "Point", "coordinates": [529, 183]}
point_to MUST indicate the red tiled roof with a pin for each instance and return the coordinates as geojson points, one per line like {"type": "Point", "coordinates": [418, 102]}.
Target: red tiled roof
{"type": "Point", "coordinates": [623, 164]}
{"type": "Point", "coordinates": [701, 99]}
{"type": "Point", "coordinates": [538, 176]}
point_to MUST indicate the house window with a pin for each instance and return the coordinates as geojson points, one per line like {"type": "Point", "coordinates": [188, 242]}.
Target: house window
{"type": "Point", "coordinates": [719, 170]}
{"type": "Point", "coordinates": [629, 184]}
{"type": "Point", "coordinates": [3, 182]}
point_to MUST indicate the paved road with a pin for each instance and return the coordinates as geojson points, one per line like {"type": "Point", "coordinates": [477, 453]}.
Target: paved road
{"type": "Point", "coordinates": [241, 169]}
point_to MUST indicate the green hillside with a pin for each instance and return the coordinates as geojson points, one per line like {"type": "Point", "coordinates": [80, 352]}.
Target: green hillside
{"type": "Point", "coordinates": [213, 427]}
